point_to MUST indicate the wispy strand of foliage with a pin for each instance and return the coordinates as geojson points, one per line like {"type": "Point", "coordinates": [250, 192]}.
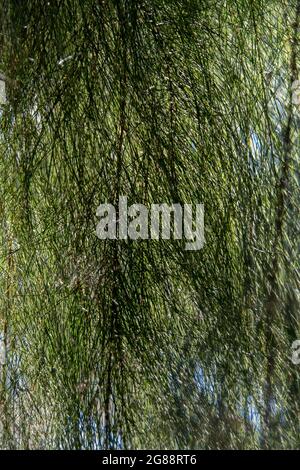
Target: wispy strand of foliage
{"type": "Point", "coordinates": [142, 344]}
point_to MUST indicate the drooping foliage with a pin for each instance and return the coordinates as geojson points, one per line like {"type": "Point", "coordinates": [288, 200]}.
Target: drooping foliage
{"type": "Point", "coordinates": [142, 344]}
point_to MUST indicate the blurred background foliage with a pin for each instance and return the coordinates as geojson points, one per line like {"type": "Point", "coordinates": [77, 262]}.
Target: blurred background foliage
{"type": "Point", "coordinates": [141, 344]}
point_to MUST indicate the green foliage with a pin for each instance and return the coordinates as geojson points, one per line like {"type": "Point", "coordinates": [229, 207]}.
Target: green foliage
{"type": "Point", "coordinates": [141, 344]}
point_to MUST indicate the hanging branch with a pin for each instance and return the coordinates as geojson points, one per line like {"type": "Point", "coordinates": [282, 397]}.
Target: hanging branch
{"type": "Point", "coordinates": [282, 198]}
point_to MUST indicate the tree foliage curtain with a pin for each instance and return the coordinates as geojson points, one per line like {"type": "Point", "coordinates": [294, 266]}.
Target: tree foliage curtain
{"type": "Point", "coordinates": [141, 344]}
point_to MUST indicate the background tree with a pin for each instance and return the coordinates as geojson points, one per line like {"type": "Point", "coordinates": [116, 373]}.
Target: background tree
{"type": "Point", "coordinates": [141, 344]}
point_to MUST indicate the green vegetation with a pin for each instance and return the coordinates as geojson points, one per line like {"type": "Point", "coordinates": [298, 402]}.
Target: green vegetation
{"type": "Point", "coordinates": [141, 344]}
